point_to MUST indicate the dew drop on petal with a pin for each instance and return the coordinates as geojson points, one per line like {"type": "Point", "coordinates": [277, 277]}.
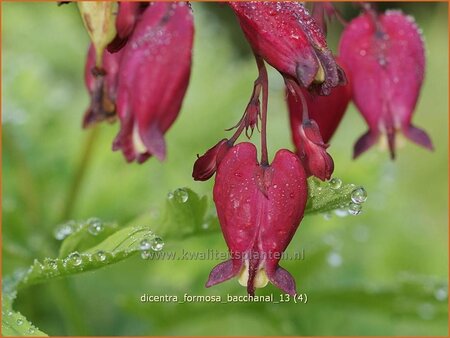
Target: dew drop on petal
{"type": "Point", "coordinates": [19, 321]}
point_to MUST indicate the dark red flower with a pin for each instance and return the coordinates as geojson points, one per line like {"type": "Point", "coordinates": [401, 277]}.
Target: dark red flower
{"type": "Point", "coordinates": [327, 111]}
{"type": "Point", "coordinates": [153, 78]}
{"type": "Point", "coordinates": [206, 165]}
{"type": "Point", "coordinates": [102, 87]}
{"type": "Point", "coordinates": [286, 36]}
{"type": "Point", "coordinates": [259, 209]}
{"type": "Point", "coordinates": [385, 57]}
{"type": "Point", "coordinates": [128, 14]}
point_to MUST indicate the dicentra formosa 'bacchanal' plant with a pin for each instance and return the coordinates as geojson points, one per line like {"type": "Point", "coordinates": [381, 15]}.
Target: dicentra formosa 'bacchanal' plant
{"type": "Point", "coordinates": [138, 69]}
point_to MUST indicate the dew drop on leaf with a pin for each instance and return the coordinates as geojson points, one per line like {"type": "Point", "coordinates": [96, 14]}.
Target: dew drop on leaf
{"type": "Point", "coordinates": [181, 195]}
{"type": "Point", "coordinates": [157, 244]}
{"type": "Point", "coordinates": [95, 226]}
{"type": "Point", "coordinates": [359, 195]}
{"type": "Point", "coordinates": [335, 183]}
{"type": "Point", "coordinates": [144, 244]}
{"type": "Point", "coordinates": [354, 209]}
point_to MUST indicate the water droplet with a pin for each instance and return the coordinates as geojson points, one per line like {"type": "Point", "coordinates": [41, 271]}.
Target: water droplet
{"type": "Point", "coordinates": [205, 226]}
{"type": "Point", "coordinates": [181, 195]}
{"type": "Point", "coordinates": [65, 230]}
{"type": "Point", "coordinates": [19, 321]}
{"type": "Point", "coordinates": [100, 255]}
{"type": "Point", "coordinates": [341, 212]}
{"type": "Point", "coordinates": [426, 311]}
{"type": "Point", "coordinates": [441, 294]}
{"type": "Point", "coordinates": [145, 254]}
{"type": "Point", "coordinates": [335, 183]}
{"type": "Point", "coordinates": [157, 244]}
{"type": "Point", "coordinates": [354, 209]}
{"type": "Point", "coordinates": [9, 313]}
{"type": "Point", "coordinates": [362, 52]}
{"type": "Point", "coordinates": [51, 263]}
{"type": "Point", "coordinates": [359, 195]}
{"type": "Point", "coordinates": [75, 259]}
{"type": "Point", "coordinates": [327, 216]}
{"type": "Point", "coordinates": [95, 226]}
{"type": "Point", "coordinates": [144, 244]}
{"type": "Point", "coordinates": [334, 259]}
{"type": "Point", "coordinates": [31, 330]}
{"type": "Point", "coordinates": [170, 195]}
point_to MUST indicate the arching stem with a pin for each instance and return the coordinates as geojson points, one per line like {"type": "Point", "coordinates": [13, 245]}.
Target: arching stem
{"type": "Point", "coordinates": [264, 81]}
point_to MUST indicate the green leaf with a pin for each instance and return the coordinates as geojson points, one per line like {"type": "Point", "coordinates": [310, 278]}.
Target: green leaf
{"type": "Point", "coordinates": [84, 235]}
{"type": "Point", "coordinates": [185, 214]}
{"type": "Point", "coordinates": [14, 323]}
{"type": "Point", "coordinates": [327, 196]}
{"type": "Point", "coordinates": [118, 246]}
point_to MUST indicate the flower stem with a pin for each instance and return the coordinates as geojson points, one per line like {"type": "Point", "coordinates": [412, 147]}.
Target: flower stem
{"type": "Point", "coordinates": [80, 172]}
{"type": "Point", "coordinates": [264, 81]}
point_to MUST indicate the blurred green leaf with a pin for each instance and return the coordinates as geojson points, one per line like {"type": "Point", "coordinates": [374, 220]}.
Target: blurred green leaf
{"type": "Point", "coordinates": [14, 323]}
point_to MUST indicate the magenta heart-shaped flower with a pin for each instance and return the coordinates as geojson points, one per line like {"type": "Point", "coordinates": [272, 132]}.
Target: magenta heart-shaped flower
{"type": "Point", "coordinates": [385, 57]}
{"type": "Point", "coordinates": [153, 79]}
{"type": "Point", "coordinates": [259, 209]}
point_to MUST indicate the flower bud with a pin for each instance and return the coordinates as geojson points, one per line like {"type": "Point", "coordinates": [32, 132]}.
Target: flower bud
{"type": "Point", "coordinates": [206, 165]}
{"type": "Point", "coordinates": [312, 150]}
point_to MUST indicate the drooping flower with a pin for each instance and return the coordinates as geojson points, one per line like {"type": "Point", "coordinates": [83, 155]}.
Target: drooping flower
{"type": "Point", "coordinates": [102, 87]}
{"type": "Point", "coordinates": [259, 209]}
{"type": "Point", "coordinates": [286, 36]}
{"type": "Point", "coordinates": [153, 78]}
{"type": "Point", "coordinates": [128, 14]}
{"type": "Point", "coordinates": [327, 111]}
{"type": "Point", "coordinates": [207, 164]}
{"type": "Point", "coordinates": [385, 56]}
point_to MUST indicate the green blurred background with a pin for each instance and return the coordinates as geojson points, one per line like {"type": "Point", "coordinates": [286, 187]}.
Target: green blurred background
{"type": "Point", "coordinates": [383, 272]}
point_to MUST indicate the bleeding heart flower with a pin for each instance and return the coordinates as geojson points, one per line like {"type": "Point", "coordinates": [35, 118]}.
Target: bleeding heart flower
{"type": "Point", "coordinates": [102, 87]}
{"type": "Point", "coordinates": [259, 209]}
{"type": "Point", "coordinates": [153, 78]}
{"type": "Point", "coordinates": [385, 57]}
{"type": "Point", "coordinates": [327, 111]}
{"type": "Point", "coordinates": [286, 36]}
{"type": "Point", "coordinates": [207, 164]}
{"type": "Point", "coordinates": [128, 14]}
